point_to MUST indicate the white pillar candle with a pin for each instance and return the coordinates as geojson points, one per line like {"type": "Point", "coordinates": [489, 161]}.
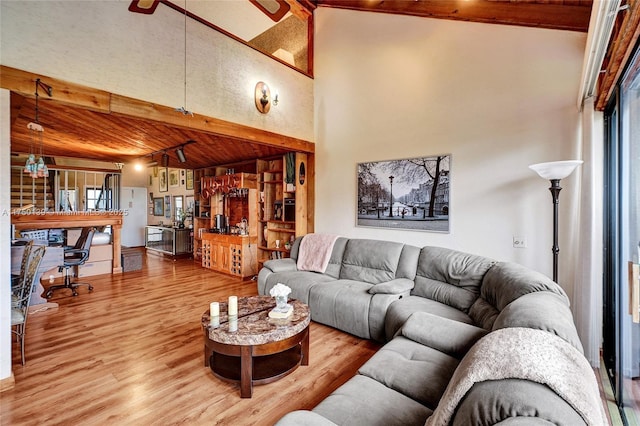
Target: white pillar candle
{"type": "Point", "coordinates": [233, 305]}
{"type": "Point", "coordinates": [214, 309]}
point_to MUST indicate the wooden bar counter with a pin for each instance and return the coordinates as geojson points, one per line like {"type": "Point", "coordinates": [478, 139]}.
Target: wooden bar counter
{"type": "Point", "coordinates": [79, 219]}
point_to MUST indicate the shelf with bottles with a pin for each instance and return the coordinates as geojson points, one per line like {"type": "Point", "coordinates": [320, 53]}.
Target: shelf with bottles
{"type": "Point", "coordinates": [281, 205]}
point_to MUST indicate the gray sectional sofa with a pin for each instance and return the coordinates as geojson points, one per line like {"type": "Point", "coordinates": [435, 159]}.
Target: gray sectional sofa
{"type": "Point", "coordinates": [442, 314]}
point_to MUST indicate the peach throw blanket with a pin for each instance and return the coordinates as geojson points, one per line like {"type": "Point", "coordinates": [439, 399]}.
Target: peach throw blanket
{"type": "Point", "coordinates": [315, 252]}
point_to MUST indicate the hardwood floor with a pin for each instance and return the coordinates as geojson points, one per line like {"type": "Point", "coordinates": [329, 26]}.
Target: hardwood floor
{"type": "Point", "coordinates": [131, 353]}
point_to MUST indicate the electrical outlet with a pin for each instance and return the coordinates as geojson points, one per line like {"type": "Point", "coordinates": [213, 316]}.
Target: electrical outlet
{"type": "Point", "coordinates": [519, 242]}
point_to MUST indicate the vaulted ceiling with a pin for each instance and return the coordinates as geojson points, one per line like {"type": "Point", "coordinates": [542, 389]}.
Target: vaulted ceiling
{"type": "Point", "coordinates": [84, 133]}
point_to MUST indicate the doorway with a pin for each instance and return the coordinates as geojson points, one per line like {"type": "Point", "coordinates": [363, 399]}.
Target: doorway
{"type": "Point", "coordinates": [621, 313]}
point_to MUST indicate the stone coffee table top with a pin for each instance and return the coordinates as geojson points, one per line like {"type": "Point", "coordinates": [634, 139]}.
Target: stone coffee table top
{"type": "Point", "coordinates": [254, 325]}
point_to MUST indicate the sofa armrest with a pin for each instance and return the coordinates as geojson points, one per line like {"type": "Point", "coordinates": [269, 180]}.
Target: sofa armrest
{"type": "Point", "coordinates": [452, 337]}
{"type": "Point", "coordinates": [281, 265]}
{"type": "Point", "coordinates": [304, 418]}
{"type": "Point", "coordinates": [397, 286]}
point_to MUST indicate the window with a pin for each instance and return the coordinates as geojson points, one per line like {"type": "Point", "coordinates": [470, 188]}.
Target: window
{"type": "Point", "coordinates": [98, 199]}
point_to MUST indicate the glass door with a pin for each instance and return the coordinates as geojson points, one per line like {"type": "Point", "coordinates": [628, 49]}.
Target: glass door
{"type": "Point", "coordinates": [621, 343]}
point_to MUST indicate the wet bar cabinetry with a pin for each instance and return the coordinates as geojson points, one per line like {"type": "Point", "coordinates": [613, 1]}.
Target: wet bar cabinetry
{"type": "Point", "coordinates": [270, 194]}
{"type": "Point", "coordinates": [229, 192]}
{"type": "Point", "coordinates": [230, 254]}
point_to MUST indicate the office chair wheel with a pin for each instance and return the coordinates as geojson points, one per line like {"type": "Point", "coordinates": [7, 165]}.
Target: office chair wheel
{"type": "Point", "coordinates": [75, 293]}
{"type": "Point", "coordinates": [90, 288]}
{"type": "Point", "coordinates": [48, 294]}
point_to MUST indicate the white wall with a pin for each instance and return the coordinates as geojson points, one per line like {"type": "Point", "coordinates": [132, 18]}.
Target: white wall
{"type": "Point", "coordinates": [102, 45]}
{"type": "Point", "coordinates": [497, 98]}
{"type": "Point", "coordinates": [5, 237]}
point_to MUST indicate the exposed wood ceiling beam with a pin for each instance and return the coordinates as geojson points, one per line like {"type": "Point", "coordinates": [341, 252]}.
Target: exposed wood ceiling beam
{"type": "Point", "coordinates": [91, 123]}
{"type": "Point", "coordinates": [572, 15]}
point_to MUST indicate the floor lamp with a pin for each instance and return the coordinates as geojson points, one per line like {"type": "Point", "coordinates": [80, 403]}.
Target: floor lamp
{"type": "Point", "coordinates": [555, 171]}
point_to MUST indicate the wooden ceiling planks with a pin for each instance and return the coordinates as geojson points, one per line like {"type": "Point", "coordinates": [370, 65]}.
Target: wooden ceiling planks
{"type": "Point", "coordinates": [571, 15]}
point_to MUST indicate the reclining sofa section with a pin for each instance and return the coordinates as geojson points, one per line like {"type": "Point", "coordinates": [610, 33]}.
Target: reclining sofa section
{"type": "Point", "coordinates": [432, 305]}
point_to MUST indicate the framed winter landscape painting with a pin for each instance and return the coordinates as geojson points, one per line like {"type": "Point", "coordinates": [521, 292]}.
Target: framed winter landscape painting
{"type": "Point", "coordinates": [405, 194]}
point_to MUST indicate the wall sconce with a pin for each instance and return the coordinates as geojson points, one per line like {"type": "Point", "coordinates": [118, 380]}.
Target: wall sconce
{"type": "Point", "coordinates": [263, 95]}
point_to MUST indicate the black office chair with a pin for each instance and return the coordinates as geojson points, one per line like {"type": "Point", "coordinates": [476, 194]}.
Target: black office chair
{"type": "Point", "coordinates": [74, 257]}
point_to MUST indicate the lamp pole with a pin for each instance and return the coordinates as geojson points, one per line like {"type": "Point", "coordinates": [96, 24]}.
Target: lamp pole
{"type": "Point", "coordinates": [554, 171]}
{"type": "Point", "coordinates": [555, 195]}
{"type": "Point", "coordinates": [391, 197]}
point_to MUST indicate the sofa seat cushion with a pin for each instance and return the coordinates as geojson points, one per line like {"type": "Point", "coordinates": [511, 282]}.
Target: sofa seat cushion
{"type": "Point", "coordinates": [401, 310]}
{"type": "Point", "coordinates": [343, 304]}
{"type": "Point", "coordinates": [417, 371]}
{"type": "Point", "coordinates": [363, 401]}
{"type": "Point", "coordinates": [300, 283]}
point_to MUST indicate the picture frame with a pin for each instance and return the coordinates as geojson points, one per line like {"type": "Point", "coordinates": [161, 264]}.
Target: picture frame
{"type": "Point", "coordinates": [174, 178]}
{"type": "Point", "coordinates": [411, 194]}
{"type": "Point", "coordinates": [158, 206]}
{"type": "Point", "coordinates": [163, 180]}
{"type": "Point", "coordinates": [189, 203]}
{"type": "Point", "coordinates": [189, 181]}
{"type": "Point", "coordinates": [167, 206]}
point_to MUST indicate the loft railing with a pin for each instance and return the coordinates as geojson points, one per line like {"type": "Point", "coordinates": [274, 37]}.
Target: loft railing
{"type": "Point", "coordinates": [65, 190]}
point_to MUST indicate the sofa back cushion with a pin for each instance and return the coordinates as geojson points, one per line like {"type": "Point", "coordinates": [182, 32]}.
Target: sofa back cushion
{"type": "Point", "coordinates": [371, 261]}
{"type": "Point", "coordinates": [450, 277]}
{"type": "Point", "coordinates": [335, 262]}
{"type": "Point", "coordinates": [541, 310]}
{"type": "Point", "coordinates": [504, 283]}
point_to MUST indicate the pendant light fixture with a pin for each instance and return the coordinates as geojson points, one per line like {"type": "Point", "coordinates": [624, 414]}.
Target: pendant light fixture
{"type": "Point", "coordinates": [37, 168]}
{"type": "Point", "coordinates": [183, 109]}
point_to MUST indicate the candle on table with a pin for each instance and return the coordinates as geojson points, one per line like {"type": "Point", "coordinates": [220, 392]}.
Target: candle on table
{"type": "Point", "coordinates": [233, 305]}
{"type": "Point", "coordinates": [214, 309]}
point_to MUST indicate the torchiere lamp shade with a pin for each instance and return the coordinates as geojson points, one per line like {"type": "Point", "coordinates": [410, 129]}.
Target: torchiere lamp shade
{"type": "Point", "coordinates": [555, 169]}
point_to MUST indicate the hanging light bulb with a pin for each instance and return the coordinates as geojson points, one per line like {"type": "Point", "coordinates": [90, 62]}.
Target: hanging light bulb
{"type": "Point", "coordinates": [39, 168]}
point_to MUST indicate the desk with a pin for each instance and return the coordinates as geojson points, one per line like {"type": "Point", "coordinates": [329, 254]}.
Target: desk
{"type": "Point", "coordinates": [53, 257]}
{"type": "Point", "coordinates": [74, 220]}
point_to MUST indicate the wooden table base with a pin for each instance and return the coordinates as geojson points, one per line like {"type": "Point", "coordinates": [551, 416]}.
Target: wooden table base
{"type": "Point", "coordinates": [257, 364]}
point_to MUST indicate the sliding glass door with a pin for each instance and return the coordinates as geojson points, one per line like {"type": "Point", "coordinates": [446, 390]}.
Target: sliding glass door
{"type": "Point", "coordinates": [621, 340]}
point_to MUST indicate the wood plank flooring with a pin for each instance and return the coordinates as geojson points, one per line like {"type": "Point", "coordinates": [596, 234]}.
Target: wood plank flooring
{"type": "Point", "coordinates": [131, 353]}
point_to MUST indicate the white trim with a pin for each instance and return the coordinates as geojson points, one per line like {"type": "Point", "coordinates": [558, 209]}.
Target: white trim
{"type": "Point", "coordinates": [603, 16]}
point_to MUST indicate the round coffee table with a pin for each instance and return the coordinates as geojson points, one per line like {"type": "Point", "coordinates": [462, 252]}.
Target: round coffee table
{"type": "Point", "coordinates": [261, 349]}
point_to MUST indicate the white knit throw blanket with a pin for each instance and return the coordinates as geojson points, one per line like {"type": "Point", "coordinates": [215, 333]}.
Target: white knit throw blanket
{"type": "Point", "coordinates": [315, 252]}
{"type": "Point", "coordinates": [525, 353]}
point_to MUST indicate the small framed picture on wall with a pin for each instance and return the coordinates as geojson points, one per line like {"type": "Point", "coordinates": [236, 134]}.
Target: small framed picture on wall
{"type": "Point", "coordinates": [158, 206]}
{"type": "Point", "coordinates": [174, 178]}
{"type": "Point", "coordinates": [163, 181]}
{"type": "Point", "coordinates": [189, 181]}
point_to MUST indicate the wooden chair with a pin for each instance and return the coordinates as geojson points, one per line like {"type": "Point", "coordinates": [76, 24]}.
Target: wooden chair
{"type": "Point", "coordinates": [22, 296]}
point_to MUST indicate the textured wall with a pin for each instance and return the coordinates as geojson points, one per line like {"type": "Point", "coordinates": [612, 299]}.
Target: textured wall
{"type": "Point", "coordinates": [103, 45]}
